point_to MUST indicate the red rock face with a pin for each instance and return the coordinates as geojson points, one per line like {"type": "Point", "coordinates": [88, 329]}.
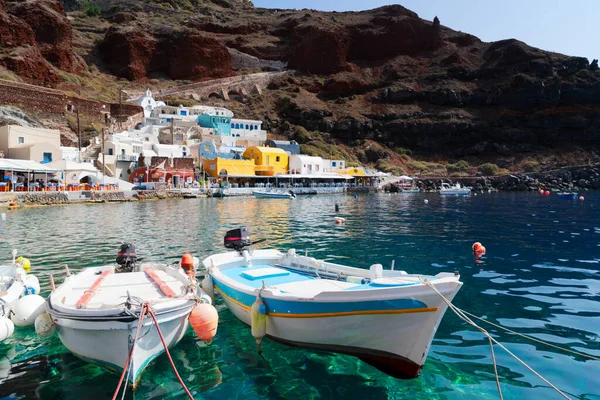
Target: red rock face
{"type": "Point", "coordinates": [320, 49]}
{"type": "Point", "coordinates": [131, 52]}
{"type": "Point", "coordinates": [14, 32]}
{"type": "Point", "coordinates": [29, 64]}
{"type": "Point", "coordinates": [53, 32]}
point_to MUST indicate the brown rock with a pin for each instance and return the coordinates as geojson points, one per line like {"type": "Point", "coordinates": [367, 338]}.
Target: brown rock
{"type": "Point", "coordinates": [52, 29]}
{"type": "Point", "coordinates": [14, 32]}
{"type": "Point", "coordinates": [321, 49]}
{"type": "Point", "coordinates": [133, 52]}
{"type": "Point", "coordinates": [28, 63]}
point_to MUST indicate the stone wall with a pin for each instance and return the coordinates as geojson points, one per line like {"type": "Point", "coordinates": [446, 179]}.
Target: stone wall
{"type": "Point", "coordinates": [42, 198]}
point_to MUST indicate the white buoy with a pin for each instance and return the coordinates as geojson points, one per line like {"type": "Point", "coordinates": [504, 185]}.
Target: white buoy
{"type": "Point", "coordinates": [32, 285]}
{"type": "Point", "coordinates": [27, 308]}
{"type": "Point", "coordinates": [7, 328]}
{"type": "Point", "coordinates": [258, 321]}
{"type": "Point", "coordinates": [426, 201]}
{"type": "Point", "coordinates": [44, 325]}
{"type": "Point", "coordinates": [3, 216]}
{"type": "Point", "coordinates": [209, 288]}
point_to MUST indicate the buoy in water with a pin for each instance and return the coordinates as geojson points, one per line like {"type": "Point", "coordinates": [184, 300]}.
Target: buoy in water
{"type": "Point", "coordinates": [204, 319]}
{"type": "Point", "coordinates": [32, 285]}
{"type": "Point", "coordinates": [258, 321]}
{"type": "Point", "coordinates": [23, 263]}
{"type": "Point", "coordinates": [541, 191]}
{"type": "Point", "coordinates": [478, 250]}
{"type": "Point", "coordinates": [187, 263]}
{"type": "Point", "coordinates": [209, 288]}
{"type": "Point", "coordinates": [581, 198]}
{"type": "Point", "coordinates": [426, 201]}
{"type": "Point", "coordinates": [26, 309]}
{"type": "Point", "coordinates": [7, 328]}
{"type": "Point", "coordinates": [3, 216]}
{"type": "Point", "coordinates": [547, 193]}
{"type": "Point", "coordinates": [356, 196]}
{"type": "Point", "coordinates": [339, 220]}
{"type": "Point", "coordinates": [44, 325]}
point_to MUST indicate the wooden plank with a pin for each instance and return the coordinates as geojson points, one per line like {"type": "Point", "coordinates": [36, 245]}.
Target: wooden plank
{"type": "Point", "coordinates": [89, 293]}
{"type": "Point", "coordinates": [166, 289]}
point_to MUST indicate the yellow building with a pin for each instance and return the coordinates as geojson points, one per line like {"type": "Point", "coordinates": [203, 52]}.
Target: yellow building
{"type": "Point", "coordinates": [223, 167]}
{"type": "Point", "coordinates": [268, 161]}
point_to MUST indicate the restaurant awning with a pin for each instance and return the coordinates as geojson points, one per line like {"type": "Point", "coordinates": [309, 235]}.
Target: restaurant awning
{"type": "Point", "coordinates": [7, 164]}
{"type": "Point", "coordinates": [315, 176]}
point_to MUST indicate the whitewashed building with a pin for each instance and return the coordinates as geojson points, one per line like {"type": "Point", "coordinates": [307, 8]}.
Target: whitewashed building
{"type": "Point", "coordinates": [301, 164]}
{"type": "Point", "coordinates": [147, 102]}
{"type": "Point", "coordinates": [333, 165]}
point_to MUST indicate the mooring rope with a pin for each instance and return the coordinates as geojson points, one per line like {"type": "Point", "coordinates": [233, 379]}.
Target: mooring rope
{"type": "Point", "coordinates": [461, 314]}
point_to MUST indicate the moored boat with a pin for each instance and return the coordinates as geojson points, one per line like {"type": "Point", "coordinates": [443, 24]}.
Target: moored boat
{"type": "Point", "coordinates": [454, 190]}
{"type": "Point", "coordinates": [411, 191]}
{"type": "Point", "coordinates": [273, 195]}
{"type": "Point", "coordinates": [387, 318]}
{"type": "Point", "coordinates": [567, 195]}
{"type": "Point", "coordinates": [97, 311]}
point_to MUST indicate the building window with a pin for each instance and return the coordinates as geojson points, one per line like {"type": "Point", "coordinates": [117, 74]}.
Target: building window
{"type": "Point", "coordinates": [233, 125]}
{"type": "Point", "coordinates": [333, 163]}
{"type": "Point", "coordinates": [47, 157]}
{"type": "Point", "coordinates": [277, 159]}
{"type": "Point", "coordinates": [256, 127]}
{"type": "Point", "coordinates": [237, 126]}
{"type": "Point", "coordinates": [246, 126]}
{"type": "Point", "coordinates": [21, 140]}
{"type": "Point", "coordinates": [251, 127]}
{"type": "Point", "coordinates": [110, 152]}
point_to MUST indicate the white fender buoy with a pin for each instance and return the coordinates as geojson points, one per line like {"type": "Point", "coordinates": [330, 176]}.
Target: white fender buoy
{"type": "Point", "coordinates": [32, 285]}
{"type": "Point", "coordinates": [44, 326]}
{"type": "Point", "coordinates": [209, 288]}
{"type": "Point", "coordinates": [26, 309]}
{"type": "Point", "coordinates": [258, 321]}
{"type": "Point", "coordinates": [426, 201]}
{"type": "Point", "coordinates": [7, 328]}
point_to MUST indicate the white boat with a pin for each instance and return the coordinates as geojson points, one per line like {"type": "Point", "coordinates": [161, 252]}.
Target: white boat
{"type": "Point", "coordinates": [454, 190]}
{"type": "Point", "coordinates": [273, 195]}
{"type": "Point", "coordinates": [15, 283]}
{"type": "Point", "coordinates": [97, 311]}
{"type": "Point", "coordinates": [387, 318]}
{"type": "Point", "coordinates": [411, 191]}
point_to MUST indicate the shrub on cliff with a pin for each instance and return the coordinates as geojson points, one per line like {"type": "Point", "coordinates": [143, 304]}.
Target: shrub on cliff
{"type": "Point", "coordinates": [301, 135]}
{"type": "Point", "coordinates": [460, 166]}
{"type": "Point", "coordinates": [91, 9]}
{"type": "Point", "coordinates": [488, 169]}
{"type": "Point", "coordinates": [531, 166]}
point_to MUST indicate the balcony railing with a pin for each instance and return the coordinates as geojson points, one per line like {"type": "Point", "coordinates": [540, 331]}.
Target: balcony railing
{"type": "Point", "coordinates": [122, 157]}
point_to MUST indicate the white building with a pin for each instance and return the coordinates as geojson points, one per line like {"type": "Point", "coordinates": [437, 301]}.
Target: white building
{"type": "Point", "coordinates": [333, 165]}
{"type": "Point", "coordinates": [301, 164]}
{"type": "Point", "coordinates": [147, 102]}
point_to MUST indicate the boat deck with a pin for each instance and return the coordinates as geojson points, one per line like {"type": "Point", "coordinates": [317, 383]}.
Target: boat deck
{"type": "Point", "coordinates": [113, 288]}
{"type": "Point", "coordinates": [306, 283]}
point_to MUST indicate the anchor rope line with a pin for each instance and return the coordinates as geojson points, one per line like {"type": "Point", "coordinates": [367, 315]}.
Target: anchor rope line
{"type": "Point", "coordinates": [162, 339]}
{"type": "Point", "coordinates": [465, 318]}
{"type": "Point", "coordinates": [126, 367]}
{"type": "Point", "coordinates": [591, 357]}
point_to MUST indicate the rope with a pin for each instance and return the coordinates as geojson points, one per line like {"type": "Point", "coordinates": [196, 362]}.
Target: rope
{"type": "Point", "coordinates": [162, 339]}
{"type": "Point", "coordinates": [126, 367]}
{"type": "Point", "coordinates": [464, 317]}
{"type": "Point", "coordinates": [534, 339]}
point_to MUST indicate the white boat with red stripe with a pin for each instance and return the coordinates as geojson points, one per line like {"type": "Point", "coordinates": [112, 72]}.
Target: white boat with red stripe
{"type": "Point", "coordinates": [97, 312]}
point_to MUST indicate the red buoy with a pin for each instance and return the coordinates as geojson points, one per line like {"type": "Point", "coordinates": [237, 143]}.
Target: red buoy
{"type": "Point", "coordinates": [581, 198]}
{"type": "Point", "coordinates": [476, 246]}
{"type": "Point", "coordinates": [187, 263]}
{"type": "Point", "coordinates": [204, 320]}
{"type": "Point", "coordinates": [547, 193]}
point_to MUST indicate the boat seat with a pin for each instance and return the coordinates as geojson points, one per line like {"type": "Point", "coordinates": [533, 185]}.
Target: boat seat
{"type": "Point", "coordinates": [313, 287]}
{"type": "Point", "coordinates": [392, 282]}
{"type": "Point", "coordinates": [263, 273]}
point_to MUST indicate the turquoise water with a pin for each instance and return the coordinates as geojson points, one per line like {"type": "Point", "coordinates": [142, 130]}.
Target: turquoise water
{"type": "Point", "coordinates": [540, 276]}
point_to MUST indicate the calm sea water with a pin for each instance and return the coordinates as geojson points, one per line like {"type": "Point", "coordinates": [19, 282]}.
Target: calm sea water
{"type": "Point", "coordinates": [540, 277]}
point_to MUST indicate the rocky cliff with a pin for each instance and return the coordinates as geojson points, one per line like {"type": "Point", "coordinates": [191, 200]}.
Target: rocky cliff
{"type": "Point", "coordinates": [382, 76]}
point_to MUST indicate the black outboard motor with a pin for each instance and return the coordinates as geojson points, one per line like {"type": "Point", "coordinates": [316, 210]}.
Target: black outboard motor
{"type": "Point", "coordinates": [239, 239]}
{"type": "Point", "coordinates": [126, 258]}
{"type": "Point", "coordinates": [291, 192]}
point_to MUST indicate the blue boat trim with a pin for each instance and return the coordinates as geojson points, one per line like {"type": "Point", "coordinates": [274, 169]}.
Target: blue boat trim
{"type": "Point", "coordinates": [300, 308]}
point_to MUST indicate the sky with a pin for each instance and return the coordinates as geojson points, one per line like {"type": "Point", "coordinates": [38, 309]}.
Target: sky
{"type": "Point", "coordinates": [570, 27]}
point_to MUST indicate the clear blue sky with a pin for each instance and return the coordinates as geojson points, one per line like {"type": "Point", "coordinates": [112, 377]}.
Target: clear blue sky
{"type": "Point", "coordinates": [565, 26]}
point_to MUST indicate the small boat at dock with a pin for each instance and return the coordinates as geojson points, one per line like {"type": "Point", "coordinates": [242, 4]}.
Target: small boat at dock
{"type": "Point", "coordinates": [387, 318]}
{"type": "Point", "coordinates": [454, 190]}
{"type": "Point", "coordinates": [411, 191]}
{"type": "Point", "coordinates": [266, 194]}
{"type": "Point", "coordinates": [100, 311]}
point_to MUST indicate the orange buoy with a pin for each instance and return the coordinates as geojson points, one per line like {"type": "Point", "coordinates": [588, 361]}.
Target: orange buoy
{"type": "Point", "coordinates": [204, 320]}
{"type": "Point", "coordinates": [187, 263]}
{"type": "Point", "coordinates": [541, 191]}
{"type": "Point", "coordinates": [581, 198]}
{"type": "Point", "coordinates": [476, 246]}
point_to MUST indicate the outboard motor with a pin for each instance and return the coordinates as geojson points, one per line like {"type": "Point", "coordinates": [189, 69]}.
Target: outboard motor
{"type": "Point", "coordinates": [126, 258]}
{"type": "Point", "coordinates": [291, 192]}
{"type": "Point", "coordinates": [239, 239]}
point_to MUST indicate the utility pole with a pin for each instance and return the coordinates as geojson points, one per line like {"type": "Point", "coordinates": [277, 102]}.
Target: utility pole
{"type": "Point", "coordinates": [103, 156]}
{"type": "Point", "coordinates": [120, 107]}
{"type": "Point", "coordinates": [172, 132]}
{"type": "Point", "coordinates": [79, 136]}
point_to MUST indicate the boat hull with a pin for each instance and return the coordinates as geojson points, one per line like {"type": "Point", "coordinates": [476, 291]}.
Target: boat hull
{"type": "Point", "coordinates": [107, 342]}
{"type": "Point", "coordinates": [394, 341]}
{"type": "Point", "coordinates": [263, 195]}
